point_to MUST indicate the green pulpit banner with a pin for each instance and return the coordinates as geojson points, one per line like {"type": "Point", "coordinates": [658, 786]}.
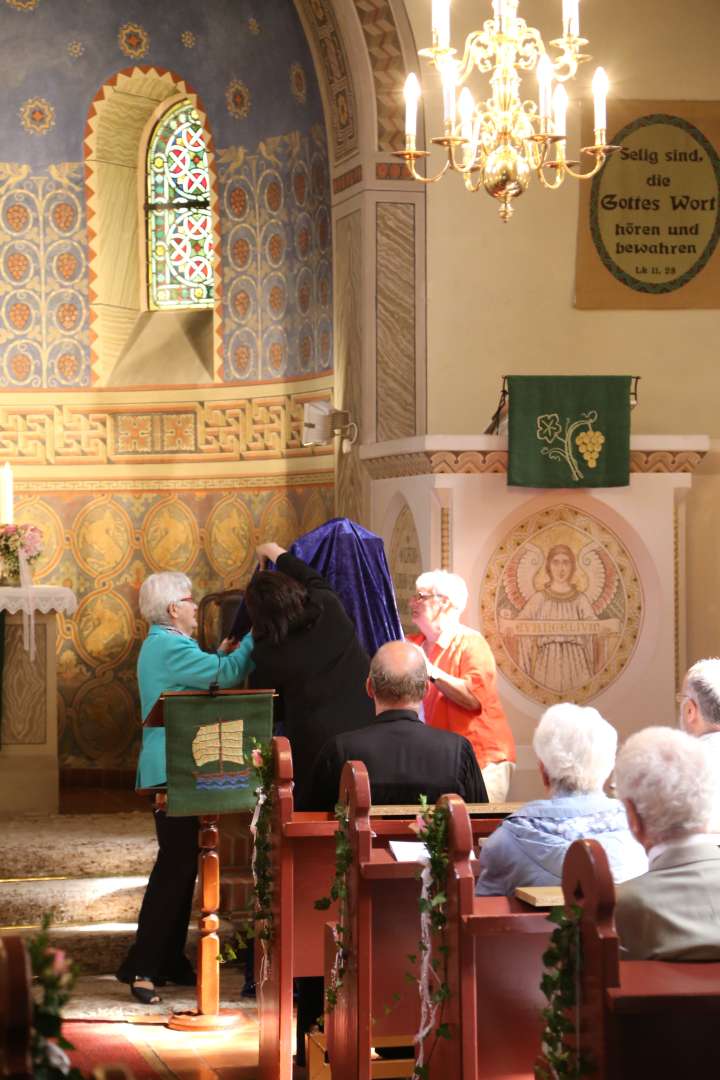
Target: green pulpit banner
{"type": "Point", "coordinates": [209, 740]}
{"type": "Point", "coordinates": [569, 431]}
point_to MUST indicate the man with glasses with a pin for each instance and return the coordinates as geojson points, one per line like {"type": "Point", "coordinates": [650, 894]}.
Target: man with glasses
{"type": "Point", "coordinates": [171, 659]}
{"type": "Point", "coordinates": [699, 716]}
{"type": "Point", "coordinates": [462, 696]}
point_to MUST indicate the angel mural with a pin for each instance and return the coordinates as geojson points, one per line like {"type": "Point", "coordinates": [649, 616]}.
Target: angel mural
{"type": "Point", "coordinates": [565, 613]}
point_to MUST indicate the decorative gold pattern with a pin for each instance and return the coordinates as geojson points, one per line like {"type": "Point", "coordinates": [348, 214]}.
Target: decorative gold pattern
{"type": "Point", "coordinates": [445, 546]}
{"type": "Point", "coordinates": [561, 606]}
{"type": "Point", "coordinates": [248, 429]}
{"type": "Point", "coordinates": [424, 462]}
{"type": "Point", "coordinates": [388, 69]}
{"type": "Point", "coordinates": [24, 701]}
{"type": "Point", "coordinates": [321, 23]}
{"type": "Point", "coordinates": [405, 563]}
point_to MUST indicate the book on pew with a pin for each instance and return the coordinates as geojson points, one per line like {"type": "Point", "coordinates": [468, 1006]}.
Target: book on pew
{"type": "Point", "coordinates": [541, 895]}
{"type": "Point", "coordinates": [412, 851]}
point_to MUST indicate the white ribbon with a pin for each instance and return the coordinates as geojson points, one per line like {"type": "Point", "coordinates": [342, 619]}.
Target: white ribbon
{"type": "Point", "coordinates": [428, 1008]}
{"type": "Point", "coordinates": [265, 958]}
{"type": "Point", "coordinates": [28, 611]}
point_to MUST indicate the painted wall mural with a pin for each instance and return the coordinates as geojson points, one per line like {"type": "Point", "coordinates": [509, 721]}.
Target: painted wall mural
{"type": "Point", "coordinates": [121, 481]}
{"type": "Point", "coordinates": [103, 545]}
{"type": "Point", "coordinates": [562, 606]}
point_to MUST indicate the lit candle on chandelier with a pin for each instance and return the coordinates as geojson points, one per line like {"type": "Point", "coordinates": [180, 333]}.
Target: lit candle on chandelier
{"type": "Point", "coordinates": [7, 495]}
{"type": "Point", "coordinates": [441, 23]}
{"type": "Point", "coordinates": [544, 78]}
{"type": "Point", "coordinates": [411, 94]}
{"type": "Point", "coordinates": [571, 18]}
{"type": "Point", "coordinates": [600, 89]}
{"type": "Point", "coordinates": [560, 104]}
{"type": "Point", "coordinates": [447, 75]}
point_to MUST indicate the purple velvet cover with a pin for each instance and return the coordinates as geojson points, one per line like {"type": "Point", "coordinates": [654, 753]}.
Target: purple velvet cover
{"type": "Point", "coordinates": [353, 560]}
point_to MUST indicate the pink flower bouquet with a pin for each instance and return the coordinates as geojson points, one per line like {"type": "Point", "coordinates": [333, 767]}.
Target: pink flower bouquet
{"type": "Point", "coordinates": [17, 540]}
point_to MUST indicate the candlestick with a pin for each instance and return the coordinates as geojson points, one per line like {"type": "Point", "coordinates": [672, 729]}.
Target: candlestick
{"type": "Point", "coordinates": [7, 494]}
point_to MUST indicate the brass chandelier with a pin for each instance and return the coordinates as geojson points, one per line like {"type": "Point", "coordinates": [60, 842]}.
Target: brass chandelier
{"type": "Point", "coordinates": [498, 143]}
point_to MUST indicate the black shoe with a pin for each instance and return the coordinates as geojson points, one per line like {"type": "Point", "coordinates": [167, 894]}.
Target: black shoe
{"type": "Point", "coordinates": [146, 995]}
{"type": "Point", "coordinates": [181, 978]}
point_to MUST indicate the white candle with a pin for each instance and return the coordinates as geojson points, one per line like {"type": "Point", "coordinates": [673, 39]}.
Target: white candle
{"type": "Point", "coordinates": [441, 23]}
{"type": "Point", "coordinates": [447, 74]}
{"type": "Point", "coordinates": [560, 103]}
{"type": "Point", "coordinates": [600, 89]}
{"type": "Point", "coordinates": [412, 96]}
{"type": "Point", "coordinates": [7, 495]}
{"type": "Point", "coordinates": [466, 107]}
{"type": "Point", "coordinates": [544, 77]}
{"type": "Point", "coordinates": [571, 18]}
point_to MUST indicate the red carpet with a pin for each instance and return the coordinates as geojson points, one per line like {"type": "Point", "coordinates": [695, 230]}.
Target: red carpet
{"type": "Point", "coordinates": [103, 1044]}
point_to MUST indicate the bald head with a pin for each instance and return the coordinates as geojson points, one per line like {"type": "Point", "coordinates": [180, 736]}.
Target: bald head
{"type": "Point", "coordinates": [398, 676]}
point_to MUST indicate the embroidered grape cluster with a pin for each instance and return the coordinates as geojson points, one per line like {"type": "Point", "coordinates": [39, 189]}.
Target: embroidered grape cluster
{"type": "Point", "coordinates": [590, 443]}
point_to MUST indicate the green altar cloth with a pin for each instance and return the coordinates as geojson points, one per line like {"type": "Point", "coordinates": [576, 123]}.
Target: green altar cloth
{"type": "Point", "coordinates": [569, 431]}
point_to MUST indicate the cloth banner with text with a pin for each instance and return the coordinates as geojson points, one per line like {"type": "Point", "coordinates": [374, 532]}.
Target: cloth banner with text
{"type": "Point", "coordinates": [649, 221]}
{"type": "Point", "coordinates": [569, 431]}
{"type": "Point", "coordinates": [209, 741]}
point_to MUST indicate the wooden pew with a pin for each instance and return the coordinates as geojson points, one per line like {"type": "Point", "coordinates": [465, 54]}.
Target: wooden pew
{"type": "Point", "coordinates": [16, 1009]}
{"type": "Point", "coordinates": [494, 960]}
{"type": "Point", "coordinates": [638, 1018]}
{"type": "Point", "coordinates": [303, 866]}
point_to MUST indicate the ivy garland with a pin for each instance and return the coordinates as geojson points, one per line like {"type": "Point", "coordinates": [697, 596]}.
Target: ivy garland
{"type": "Point", "coordinates": [339, 892]}
{"type": "Point", "coordinates": [259, 921]}
{"type": "Point", "coordinates": [560, 985]}
{"type": "Point", "coordinates": [432, 830]}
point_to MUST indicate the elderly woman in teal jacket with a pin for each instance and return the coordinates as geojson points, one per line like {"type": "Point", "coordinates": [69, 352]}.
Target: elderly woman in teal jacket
{"type": "Point", "coordinates": [171, 659]}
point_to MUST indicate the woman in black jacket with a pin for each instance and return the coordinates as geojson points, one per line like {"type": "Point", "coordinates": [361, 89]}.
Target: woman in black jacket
{"type": "Point", "coordinates": [306, 648]}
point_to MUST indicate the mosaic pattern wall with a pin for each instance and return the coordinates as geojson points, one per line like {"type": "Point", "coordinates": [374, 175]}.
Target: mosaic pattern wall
{"type": "Point", "coordinates": [103, 545]}
{"type": "Point", "coordinates": [122, 481]}
{"type": "Point", "coordinates": [251, 67]}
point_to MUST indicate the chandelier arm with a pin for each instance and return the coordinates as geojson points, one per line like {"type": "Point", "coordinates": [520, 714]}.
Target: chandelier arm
{"type": "Point", "coordinates": [410, 162]}
{"type": "Point", "coordinates": [547, 184]}
{"type": "Point", "coordinates": [600, 158]}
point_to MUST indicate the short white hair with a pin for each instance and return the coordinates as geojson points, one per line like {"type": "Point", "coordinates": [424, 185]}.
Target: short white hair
{"type": "Point", "coordinates": [576, 746]}
{"type": "Point", "coordinates": [158, 591]}
{"type": "Point", "coordinates": [449, 586]}
{"type": "Point", "coordinates": [702, 683]}
{"type": "Point", "coordinates": [668, 777]}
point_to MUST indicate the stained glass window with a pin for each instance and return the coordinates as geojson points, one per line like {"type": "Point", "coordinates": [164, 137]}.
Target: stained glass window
{"type": "Point", "coordinates": [179, 222]}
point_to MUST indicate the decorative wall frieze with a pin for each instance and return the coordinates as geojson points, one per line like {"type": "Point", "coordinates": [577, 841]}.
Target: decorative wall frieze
{"type": "Point", "coordinates": [425, 462]}
{"type": "Point", "coordinates": [334, 71]}
{"type": "Point", "coordinates": [388, 69]}
{"type": "Point", "coordinates": [264, 427]}
{"type": "Point", "coordinates": [347, 179]}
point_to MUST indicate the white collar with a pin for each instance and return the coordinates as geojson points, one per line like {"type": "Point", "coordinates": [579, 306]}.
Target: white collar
{"type": "Point", "coordinates": [684, 842]}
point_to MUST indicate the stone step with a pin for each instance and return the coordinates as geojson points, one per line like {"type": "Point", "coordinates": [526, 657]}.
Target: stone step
{"type": "Point", "coordinates": [100, 948]}
{"type": "Point", "coordinates": [82, 845]}
{"type": "Point", "coordinates": [97, 899]}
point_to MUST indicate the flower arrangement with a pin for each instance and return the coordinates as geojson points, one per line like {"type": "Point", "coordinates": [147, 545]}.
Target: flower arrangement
{"type": "Point", "coordinates": [53, 979]}
{"type": "Point", "coordinates": [18, 542]}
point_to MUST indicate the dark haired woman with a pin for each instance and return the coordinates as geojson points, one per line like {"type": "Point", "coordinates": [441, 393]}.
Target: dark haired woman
{"type": "Point", "coordinates": [307, 649]}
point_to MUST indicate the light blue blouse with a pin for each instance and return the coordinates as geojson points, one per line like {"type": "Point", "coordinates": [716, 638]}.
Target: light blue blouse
{"type": "Point", "coordinates": [169, 660]}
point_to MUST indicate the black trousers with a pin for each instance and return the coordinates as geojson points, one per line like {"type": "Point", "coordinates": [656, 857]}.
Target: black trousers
{"type": "Point", "coordinates": [159, 948]}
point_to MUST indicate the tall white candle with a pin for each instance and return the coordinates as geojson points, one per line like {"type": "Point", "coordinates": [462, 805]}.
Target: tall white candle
{"type": "Point", "coordinates": [600, 89]}
{"type": "Point", "coordinates": [544, 73]}
{"type": "Point", "coordinates": [447, 74]}
{"type": "Point", "coordinates": [571, 18]}
{"type": "Point", "coordinates": [7, 495]}
{"type": "Point", "coordinates": [560, 103]}
{"type": "Point", "coordinates": [441, 23]}
{"type": "Point", "coordinates": [412, 96]}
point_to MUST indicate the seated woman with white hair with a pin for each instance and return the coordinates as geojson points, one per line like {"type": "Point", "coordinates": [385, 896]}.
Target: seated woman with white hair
{"type": "Point", "coordinates": [575, 748]}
